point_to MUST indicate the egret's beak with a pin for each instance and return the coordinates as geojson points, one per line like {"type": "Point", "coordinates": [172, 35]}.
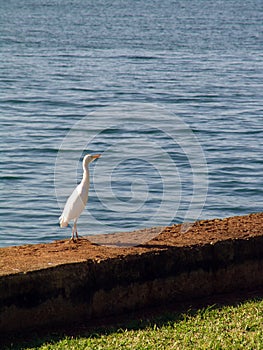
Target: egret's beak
{"type": "Point", "coordinates": [96, 156]}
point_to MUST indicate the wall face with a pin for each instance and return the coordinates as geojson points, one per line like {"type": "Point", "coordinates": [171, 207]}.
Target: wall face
{"type": "Point", "coordinates": [71, 292]}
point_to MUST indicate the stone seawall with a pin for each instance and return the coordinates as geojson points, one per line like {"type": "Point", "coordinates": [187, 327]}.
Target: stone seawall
{"type": "Point", "coordinates": [56, 284]}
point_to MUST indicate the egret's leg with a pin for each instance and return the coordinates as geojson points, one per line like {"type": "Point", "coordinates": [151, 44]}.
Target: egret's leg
{"type": "Point", "coordinates": [72, 235]}
{"type": "Point", "coordinates": [74, 230]}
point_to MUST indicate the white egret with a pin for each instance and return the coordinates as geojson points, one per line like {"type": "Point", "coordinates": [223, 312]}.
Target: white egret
{"type": "Point", "coordinates": [78, 199]}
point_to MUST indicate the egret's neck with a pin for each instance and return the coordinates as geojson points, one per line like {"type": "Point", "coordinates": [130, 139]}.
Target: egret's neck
{"type": "Point", "coordinates": [85, 178]}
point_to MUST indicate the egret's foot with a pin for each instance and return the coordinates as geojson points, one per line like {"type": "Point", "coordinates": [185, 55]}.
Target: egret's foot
{"type": "Point", "coordinates": [73, 239]}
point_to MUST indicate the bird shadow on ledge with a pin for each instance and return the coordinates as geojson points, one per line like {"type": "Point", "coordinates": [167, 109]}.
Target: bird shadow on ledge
{"type": "Point", "coordinates": [137, 238]}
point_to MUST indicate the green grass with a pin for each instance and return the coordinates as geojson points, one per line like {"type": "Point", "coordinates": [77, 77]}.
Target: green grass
{"type": "Point", "coordinates": [228, 327]}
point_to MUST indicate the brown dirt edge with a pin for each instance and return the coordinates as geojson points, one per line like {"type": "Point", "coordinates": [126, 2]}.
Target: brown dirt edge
{"type": "Point", "coordinates": [20, 259]}
{"type": "Point", "coordinates": [46, 286]}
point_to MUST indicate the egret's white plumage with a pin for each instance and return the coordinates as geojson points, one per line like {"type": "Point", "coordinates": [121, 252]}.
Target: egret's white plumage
{"type": "Point", "coordinates": [78, 199]}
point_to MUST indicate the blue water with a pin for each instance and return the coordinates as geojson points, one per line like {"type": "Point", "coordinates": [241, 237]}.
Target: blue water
{"type": "Point", "coordinates": [86, 66]}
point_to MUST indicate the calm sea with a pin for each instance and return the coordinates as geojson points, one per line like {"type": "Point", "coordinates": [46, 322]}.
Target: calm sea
{"type": "Point", "coordinates": [170, 92]}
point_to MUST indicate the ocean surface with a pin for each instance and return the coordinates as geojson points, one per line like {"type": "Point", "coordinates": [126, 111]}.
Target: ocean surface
{"type": "Point", "coordinates": [169, 92]}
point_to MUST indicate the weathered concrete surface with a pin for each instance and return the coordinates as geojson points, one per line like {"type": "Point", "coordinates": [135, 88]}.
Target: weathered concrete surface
{"type": "Point", "coordinates": [84, 290]}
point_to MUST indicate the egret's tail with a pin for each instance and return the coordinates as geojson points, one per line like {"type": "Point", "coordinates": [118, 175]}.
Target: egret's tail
{"type": "Point", "coordinates": [63, 222]}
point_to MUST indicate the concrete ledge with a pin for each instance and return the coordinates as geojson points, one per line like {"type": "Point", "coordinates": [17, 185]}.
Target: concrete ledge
{"type": "Point", "coordinates": [82, 290]}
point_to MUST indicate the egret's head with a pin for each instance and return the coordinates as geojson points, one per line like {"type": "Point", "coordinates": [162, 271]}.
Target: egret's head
{"type": "Point", "coordinates": [89, 158]}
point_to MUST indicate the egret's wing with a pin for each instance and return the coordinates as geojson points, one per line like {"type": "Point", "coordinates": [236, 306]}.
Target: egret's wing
{"type": "Point", "coordinates": [73, 207]}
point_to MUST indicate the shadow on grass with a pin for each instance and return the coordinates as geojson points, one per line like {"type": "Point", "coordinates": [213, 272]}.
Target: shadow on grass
{"type": "Point", "coordinates": [136, 320]}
